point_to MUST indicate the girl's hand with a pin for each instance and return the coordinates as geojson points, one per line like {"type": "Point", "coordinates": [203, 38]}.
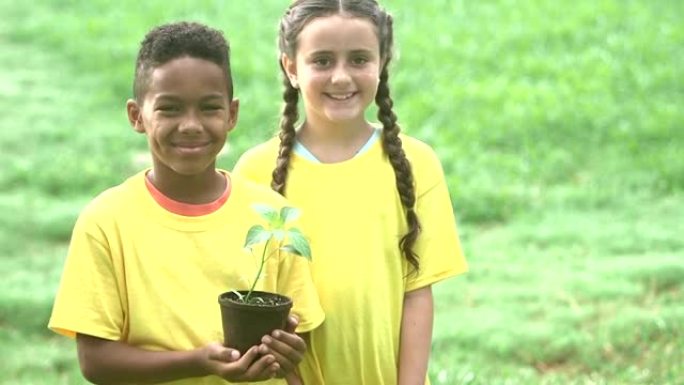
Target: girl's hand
{"type": "Point", "coordinates": [287, 347]}
{"type": "Point", "coordinates": [227, 363]}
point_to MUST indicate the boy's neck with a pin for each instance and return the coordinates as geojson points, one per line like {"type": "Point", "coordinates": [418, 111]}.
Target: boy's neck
{"type": "Point", "coordinates": [193, 189]}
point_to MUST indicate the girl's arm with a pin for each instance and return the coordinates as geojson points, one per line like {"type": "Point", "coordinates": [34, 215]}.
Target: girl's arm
{"type": "Point", "coordinates": [106, 362]}
{"type": "Point", "coordinates": [416, 336]}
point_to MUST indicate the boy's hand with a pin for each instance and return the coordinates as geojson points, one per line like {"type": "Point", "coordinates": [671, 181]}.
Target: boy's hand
{"type": "Point", "coordinates": [287, 347]}
{"type": "Point", "coordinates": [227, 364]}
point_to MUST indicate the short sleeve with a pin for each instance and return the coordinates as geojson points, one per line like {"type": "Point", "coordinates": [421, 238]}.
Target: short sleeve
{"type": "Point", "coordinates": [438, 246]}
{"type": "Point", "coordinates": [254, 166]}
{"type": "Point", "coordinates": [88, 299]}
{"type": "Point", "coordinates": [294, 279]}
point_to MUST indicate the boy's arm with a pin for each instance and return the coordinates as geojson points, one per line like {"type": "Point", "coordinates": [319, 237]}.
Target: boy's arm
{"type": "Point", "coordinates": [416, 336]}
{"type": "Point", "coordinates": [293, 379]}
{"type": "Point", "coordinates": [287, 347]}
{"type": "Point", "coordinates": [107, 362]}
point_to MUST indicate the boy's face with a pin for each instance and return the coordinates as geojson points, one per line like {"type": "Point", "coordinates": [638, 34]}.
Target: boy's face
{"type": "Point", "coordinates": [186, 114]}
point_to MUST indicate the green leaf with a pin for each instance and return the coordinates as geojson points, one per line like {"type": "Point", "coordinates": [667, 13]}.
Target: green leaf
{"type": "Point", "coordinates": [299, 245]}
{"type": "Point", "coordinates": [290, 249]}
{"type": "Point", "coordinates": [278, 234]}
{"type": "Point", "coordinates": [257, 234]}
{"type": "Point", "coordinates": [267, 212]}
{"type": "Point", "coordinates": [288, 214]}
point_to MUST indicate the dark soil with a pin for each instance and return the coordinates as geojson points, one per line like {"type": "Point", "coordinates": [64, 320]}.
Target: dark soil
{"type": "Point", "coordinates": [262, 300]}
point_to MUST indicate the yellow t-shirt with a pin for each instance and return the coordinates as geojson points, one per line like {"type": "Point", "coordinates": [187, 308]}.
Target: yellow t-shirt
{"type": "Point", "coordinates": [353, 215]}
{"type": "Point", "coordinates": [138, 273]}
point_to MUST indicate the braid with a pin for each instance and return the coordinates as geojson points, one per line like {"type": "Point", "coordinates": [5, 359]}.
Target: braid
{"type": "Point", "coordinates": [290, 114]}
{"type": "Point", "coordinates": [391, 143]}
{"type": "Point", "coordinates": [295, 19]}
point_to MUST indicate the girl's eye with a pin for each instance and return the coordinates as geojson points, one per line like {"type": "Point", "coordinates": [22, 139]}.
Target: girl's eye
{"type": "Point", "coordinates": [322, 62]}
{"type": "Point", "coordinates": [359, 61]}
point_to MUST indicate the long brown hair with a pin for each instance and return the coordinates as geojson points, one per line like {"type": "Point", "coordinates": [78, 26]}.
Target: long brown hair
{"type": "Point", "coordinates": [295, 19]}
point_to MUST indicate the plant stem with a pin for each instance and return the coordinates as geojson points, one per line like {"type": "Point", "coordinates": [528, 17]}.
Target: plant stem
{"type": "Point", "coordinates": [261, 268]}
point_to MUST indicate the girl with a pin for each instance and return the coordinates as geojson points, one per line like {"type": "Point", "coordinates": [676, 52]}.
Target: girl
{"type": "Point", "coordinates": [376, 201]}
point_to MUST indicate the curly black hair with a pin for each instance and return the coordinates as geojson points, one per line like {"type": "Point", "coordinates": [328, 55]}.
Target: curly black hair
{"type": "Point", "coordinates": [171, 41]}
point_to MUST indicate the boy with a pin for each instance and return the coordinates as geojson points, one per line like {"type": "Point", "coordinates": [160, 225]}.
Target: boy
{"type": "Point", "coordinates": [148, 258]}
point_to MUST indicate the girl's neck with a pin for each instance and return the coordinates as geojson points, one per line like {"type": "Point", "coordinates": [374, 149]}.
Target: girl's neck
{"type": "Point", "coordinates": [200, 188]}
{"type": "Point", "coordinates": [334, 143]}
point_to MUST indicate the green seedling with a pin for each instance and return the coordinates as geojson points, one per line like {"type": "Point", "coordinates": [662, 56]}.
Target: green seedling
{"type": "Point", "coordinates": [288, 239]}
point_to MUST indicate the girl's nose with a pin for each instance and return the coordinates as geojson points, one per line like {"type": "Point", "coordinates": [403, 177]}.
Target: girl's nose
{"type": "Point", "coordinates": [340, 74]}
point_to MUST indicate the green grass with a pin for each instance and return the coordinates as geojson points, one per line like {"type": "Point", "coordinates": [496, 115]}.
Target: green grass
{"type": "Point", "coordinates": [559, 127]}
{"type": "Point", "coordinates": [545, 301]}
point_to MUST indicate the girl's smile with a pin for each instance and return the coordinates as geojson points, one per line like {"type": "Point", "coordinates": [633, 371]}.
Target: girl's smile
{"type": "Point", "coordinates": [341, 97]}
{"type": "Point", "coordinates": [337, 66]}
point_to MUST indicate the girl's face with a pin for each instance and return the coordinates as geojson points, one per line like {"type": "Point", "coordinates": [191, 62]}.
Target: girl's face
{"type": "Point", "coordinates": [186, 114]}
{"type": "Point", "coordinates": [336, 68]}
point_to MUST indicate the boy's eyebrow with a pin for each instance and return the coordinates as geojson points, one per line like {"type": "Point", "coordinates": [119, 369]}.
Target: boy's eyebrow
{"type": "Point", "coordinates": [177, 97]}
{"type": "Point", "coordinates": [213, 96]}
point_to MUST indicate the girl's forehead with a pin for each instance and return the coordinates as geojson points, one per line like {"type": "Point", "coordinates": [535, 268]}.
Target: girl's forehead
{"type": "Point", "coordinates": [336, 32]}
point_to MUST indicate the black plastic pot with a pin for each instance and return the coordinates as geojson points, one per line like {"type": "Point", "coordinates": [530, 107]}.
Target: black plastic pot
{"type": "Point", "coordinates": [244, 324]}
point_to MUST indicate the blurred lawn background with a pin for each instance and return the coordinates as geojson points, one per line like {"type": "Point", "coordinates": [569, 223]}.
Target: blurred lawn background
{"type": "Point", "coordinates": [559, 124]}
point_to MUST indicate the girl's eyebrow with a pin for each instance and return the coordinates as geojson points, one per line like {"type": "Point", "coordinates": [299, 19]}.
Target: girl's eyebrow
{"type": "Point", "coordinates": [331, 52]}
{"type": "Point", "coordinates": [362, 51]}
{"type": "Point", "coordinates": [320, 52]}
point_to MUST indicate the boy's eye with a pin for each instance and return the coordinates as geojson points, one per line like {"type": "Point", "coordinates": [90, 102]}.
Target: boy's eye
{"type": "Point", "coordinates": [212, 107]}
{"type": "Point", "coordinates": [168, 108]}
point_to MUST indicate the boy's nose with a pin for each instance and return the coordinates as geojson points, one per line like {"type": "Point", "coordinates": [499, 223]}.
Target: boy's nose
{"type": "Point", "coordinates": [191, 123]}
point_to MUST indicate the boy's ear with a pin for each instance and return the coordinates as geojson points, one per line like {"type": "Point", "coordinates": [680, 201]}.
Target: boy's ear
{"type": "Point", "coordinates": [233, 108]}
{"type": "Point", "coordinates": [290, 68]}
{"type": "Point", "coordinates": [134, 112]}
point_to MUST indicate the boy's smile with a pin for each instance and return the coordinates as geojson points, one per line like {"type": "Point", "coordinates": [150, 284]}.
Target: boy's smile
{"type": "Point", "coordinates": [186, 114]}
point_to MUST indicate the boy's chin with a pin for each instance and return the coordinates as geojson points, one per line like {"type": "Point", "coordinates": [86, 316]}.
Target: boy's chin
{"type": "Point", "coordinates": [187, 170]}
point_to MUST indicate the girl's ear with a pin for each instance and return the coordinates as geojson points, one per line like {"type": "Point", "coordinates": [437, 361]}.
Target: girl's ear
{"type": "Point", "coordinates": [135, 115]}
{"type": "Point", "coordinates": [290, 68]}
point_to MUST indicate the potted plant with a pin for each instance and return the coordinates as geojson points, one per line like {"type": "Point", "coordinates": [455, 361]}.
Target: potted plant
{"type": "Point", "coordinates": [248, 315]}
